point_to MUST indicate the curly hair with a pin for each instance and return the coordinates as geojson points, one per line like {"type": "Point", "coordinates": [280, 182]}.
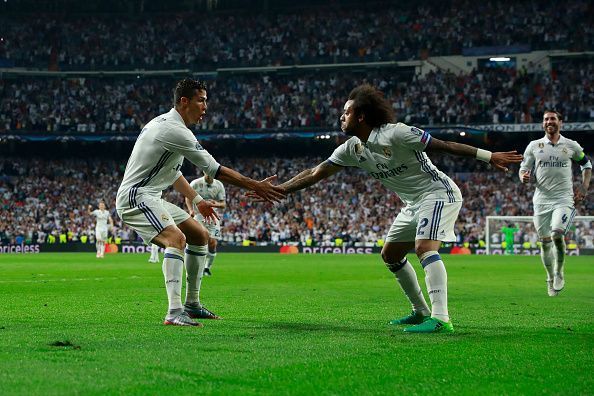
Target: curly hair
{"type": "Point", "coordinates": [370, 102]}
{"type": "Point", "coordinates": [187, 88]}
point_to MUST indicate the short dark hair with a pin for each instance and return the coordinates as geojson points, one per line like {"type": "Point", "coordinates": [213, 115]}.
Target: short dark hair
{"type": "Point", "coordinates": [187, 87]}
{"type": "Point", "coordinates": [370, 102]}
{"type": "Point", "coordinates": [559, 115]}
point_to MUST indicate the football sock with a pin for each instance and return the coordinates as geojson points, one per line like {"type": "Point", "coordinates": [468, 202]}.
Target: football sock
{"type": "Point", "coordinates": [560, 249]}
{"type": "Point", "coordinates": [173, 268]}
{"type": "Point", "coordinates": [436, 279]}
{"type": "Point", "coordinates": [195, 262]}
{"type": "Point", "coordinates": [154, 253]}
{"type": "Point", "coordinates": [98, 247]}
{"type": "Point", "coordinates": [210, 259]}
{"type": "Point", "coordinates": [546, 254]}
{"type": "Point", "coordinates": [102, 248]}
{"type": "Point", "coordinates": [407, 278]}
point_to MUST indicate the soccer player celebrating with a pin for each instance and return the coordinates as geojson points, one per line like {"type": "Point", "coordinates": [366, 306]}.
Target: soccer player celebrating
{"type": "Point", "coordinates": [395, 155]}
{"type": "Point", "coordinates": [547, 161]}
{"type": "Point", "coordinates": [154, 165]}
{"type": "Point", "coordinates": [213, 190]}
{"type": "Point", "coordinates": [102, 216]}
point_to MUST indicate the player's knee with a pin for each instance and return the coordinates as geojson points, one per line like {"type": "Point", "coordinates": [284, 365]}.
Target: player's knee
{"type": "Point", "coordinates": [558, 236]}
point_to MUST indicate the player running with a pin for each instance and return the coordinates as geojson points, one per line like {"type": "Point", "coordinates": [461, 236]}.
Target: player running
{"type": "Point", "coordinates": [154, 165]}
{"type": "Point", "coordinates": [547, 161]}
{"type": "Point", "coordinates": [101, 229]}
{"type": "Point", "coordinates": [394, 154]}
{"type": "Point", "coordinates": [214, 191]}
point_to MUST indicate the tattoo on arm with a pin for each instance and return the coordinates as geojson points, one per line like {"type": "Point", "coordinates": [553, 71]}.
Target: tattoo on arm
{"type": "Point", "coordinates": [441, 146]}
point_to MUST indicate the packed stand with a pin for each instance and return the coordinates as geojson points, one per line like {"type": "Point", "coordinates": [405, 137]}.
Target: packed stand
{"type": "Point", "coordinates": [42, 198]}
{"type": "Point", "coordinates": [388, 31]}
{"type": "Point", "coordinates": [298, 101]}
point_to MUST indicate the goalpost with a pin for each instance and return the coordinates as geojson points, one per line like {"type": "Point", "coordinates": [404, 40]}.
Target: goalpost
{"type": "Point", "coordinates": [580, 234]}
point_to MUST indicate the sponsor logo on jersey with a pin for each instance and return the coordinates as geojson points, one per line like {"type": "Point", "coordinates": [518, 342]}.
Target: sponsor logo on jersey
{"type": "Point", "coordinates": [385, 172]}
{"type": "Point", "coordinates": [553, 162]}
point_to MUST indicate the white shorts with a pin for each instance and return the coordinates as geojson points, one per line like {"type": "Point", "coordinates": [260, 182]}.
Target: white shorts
{"type": "Point", "coordinates": [101, 234]}
{"type": "Point", "coordinates": [214, 229]}
{"type": "Point", "coordinates": [151, 216]}
{"type": "Point", "coordinates": [551, 218]}
{"type": "Point", "coordinates": [429, 219]}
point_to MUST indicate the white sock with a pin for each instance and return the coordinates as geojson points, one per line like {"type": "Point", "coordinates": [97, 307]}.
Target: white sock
{"type": "Point", "coordinates": [560, 250]}
{"type": "Point", "coordinates": [154, 252]}
{"type": "Point", "coordinates": [195, 262]}
{"type": "Point", "coordinates": [98, 247]}
{"type": "Point", "coordinates": [102, 248]}
{"type": "Point", "coordinates": [210, 259]}
{"type": "Point", "coordinates": [548, 259]}
{"type": "Point", "coordinates": [173, 268]}
{"type": "Point", "coordinates": [409, 283]}
{"type": "Point", "coordinates": [436, 279]}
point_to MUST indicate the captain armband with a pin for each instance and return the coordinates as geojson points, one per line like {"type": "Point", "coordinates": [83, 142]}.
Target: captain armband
{"type": "Point", "coordinates": [483, 155]}
{"type": "Point", "coordinates": [583, 160]}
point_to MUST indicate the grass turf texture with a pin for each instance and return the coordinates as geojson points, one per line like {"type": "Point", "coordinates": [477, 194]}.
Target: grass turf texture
{"type": "Point", "coordinates": [303, 324]}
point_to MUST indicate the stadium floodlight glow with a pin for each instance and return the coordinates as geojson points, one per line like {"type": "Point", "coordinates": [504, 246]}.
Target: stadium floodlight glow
{"type": "Point", "coordinates": [500, 59]}
{"type": "Point", "coordinates": [462, 133]}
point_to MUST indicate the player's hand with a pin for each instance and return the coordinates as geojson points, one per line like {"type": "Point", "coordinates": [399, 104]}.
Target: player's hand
{"type": "Point", "coordinates": [500, 159]}
{"type": "Point", "coordinates": [525, 178]}
{"type": "Point", "coordinates": [268, 192]}
{"type": "Point", "coordinates": [205, 207]}
{"type": "Point", "coordinates": [580, 194]}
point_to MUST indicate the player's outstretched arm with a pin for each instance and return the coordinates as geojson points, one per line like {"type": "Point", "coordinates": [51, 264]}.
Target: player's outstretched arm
{"type": "Point", "coordinates": [204, 206]}
{"type": "Point", "coordinates": [310, 176]}
{"type": "Point", "coordinates": [498, 159]}
{"type": "Point", "coordinates": [264, 189]}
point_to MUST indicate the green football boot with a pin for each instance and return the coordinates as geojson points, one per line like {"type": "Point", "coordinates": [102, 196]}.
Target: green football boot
{"type": "Point", "coordinates": [412, 319]}
{"type": "Point", "coordinates": [431, 325]}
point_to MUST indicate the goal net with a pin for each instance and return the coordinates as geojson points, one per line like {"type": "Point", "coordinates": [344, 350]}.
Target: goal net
{"type": "Point", "coordinates": [520, 229]}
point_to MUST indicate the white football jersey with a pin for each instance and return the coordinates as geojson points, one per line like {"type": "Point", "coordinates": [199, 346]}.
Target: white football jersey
{"type": "Point", "coordinates": [102, 217]}
{"type": "Point", "coordinates": [550, 165]}
{"type": "Point", "coordinates": [157, 158]}
{"type": "Point", "coordinates": [214, 191]}
{"type": "Point", "coordinates": [394, 155]}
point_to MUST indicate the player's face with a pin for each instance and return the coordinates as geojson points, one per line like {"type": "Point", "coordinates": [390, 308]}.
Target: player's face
{"type": "Point", "coordinates": [348, 120]}
{"type": "Point", "coordinates": [101, 206]}
{"type": "Point", "coordinates": [551, 123]}
{"type": "Point", "coordinates": [197, 106]}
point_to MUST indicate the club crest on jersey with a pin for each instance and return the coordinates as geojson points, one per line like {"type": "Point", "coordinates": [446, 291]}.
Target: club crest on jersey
{"type": "Point", "coordinates": [358, 149]}
{"type": "Point", "coordinates": [387, 151]}
{"type": "Point", "coordinates": [164, 217]}
{"type": "Point", "coordinates": [564, 150]}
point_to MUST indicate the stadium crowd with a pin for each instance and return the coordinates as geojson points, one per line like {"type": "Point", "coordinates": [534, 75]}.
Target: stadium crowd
{"type": "Point", "coordinates": [42, 200]}
{"type": "Point", "coordinates": [302, 100]}
{"type": "Point", "coordinates": [327, 34]}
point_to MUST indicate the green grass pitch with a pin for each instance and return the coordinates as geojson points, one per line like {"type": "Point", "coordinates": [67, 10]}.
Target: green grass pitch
{"type": "Point", "coordinates": [303, 324]}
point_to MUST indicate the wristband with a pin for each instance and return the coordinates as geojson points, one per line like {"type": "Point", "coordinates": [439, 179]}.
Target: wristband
{"type": "Point", "coordinates": [483, 155]}
{"type": "Point", "coordinates": [197, 199]}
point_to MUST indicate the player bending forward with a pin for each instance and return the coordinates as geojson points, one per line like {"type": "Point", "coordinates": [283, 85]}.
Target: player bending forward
{"type": "Point", "coordinates": [549, 160]}
{"type": "Point", "coordinates": [395, 155]}
{"type": "Point", "coordinates": [101, 229]}
{"type": "Point", "coordinates": [154, 165]}
{"type": "Point", "coordinates": [214, 191]}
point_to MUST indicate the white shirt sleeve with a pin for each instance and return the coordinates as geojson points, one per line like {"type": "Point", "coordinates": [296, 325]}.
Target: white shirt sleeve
{"type": "Point", "coordinates": [182, 141]}
{"type": "Point", "coordinates": [578, 155]}
{"type": "Point", "coordinates": [345, 154]}
{"type": "Point", "coordinates": [528, 161]}
{"type": "Point", "coordinates": [411, 137]}
{"type": "Point", "coordinates": [222, 195]}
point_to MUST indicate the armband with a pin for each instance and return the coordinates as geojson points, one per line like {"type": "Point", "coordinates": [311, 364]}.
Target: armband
{"type": "Point", "coordinates": [197, 199]}
{"type": "Point", "coordinates": [483, 155]}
